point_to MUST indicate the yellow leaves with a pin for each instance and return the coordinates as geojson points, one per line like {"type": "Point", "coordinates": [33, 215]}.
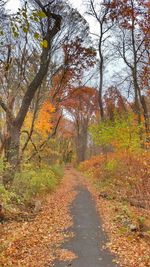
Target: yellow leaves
{"type": "Point", "coordinates": [36, 35]}
{"type": "Point", "coordinates": [28, 120]}
{"type": "Point", "coordinates": [44, 121]}
{"type": "Point", "coordinates": [41, 14]}
{"type": "Point", "coordinates": [44, 43]}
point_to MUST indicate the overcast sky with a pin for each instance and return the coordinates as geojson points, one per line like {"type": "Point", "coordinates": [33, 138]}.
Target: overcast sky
{"type": "Point", "coordinates": [94, 27]}
{"type": "Point", "coordinates": [14, 4]}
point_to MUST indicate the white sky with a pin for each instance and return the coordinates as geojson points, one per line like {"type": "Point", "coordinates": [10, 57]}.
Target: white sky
{"type": "Point", "coordinates": [14, 4]}
{"type": "Point", "coordinates": [94, 27]}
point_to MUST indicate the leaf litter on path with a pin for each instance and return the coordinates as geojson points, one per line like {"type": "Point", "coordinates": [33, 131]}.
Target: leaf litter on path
{"type": "Point", "coordinates": [37, 243]}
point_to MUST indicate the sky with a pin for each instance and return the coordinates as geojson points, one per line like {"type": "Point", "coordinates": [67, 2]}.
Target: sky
{"type": "Point", "coordinates": [78, 4]}
{"type": "Point", "coordinates": [14, 4]}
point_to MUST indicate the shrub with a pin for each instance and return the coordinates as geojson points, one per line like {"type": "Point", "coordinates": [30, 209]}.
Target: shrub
{"type": "Point", "coordinates": [6, 197]}
{"type": "Point", "coordinates": [124, 174]}
{"type": "Point", "coordinates": [122, 133]}
{"type": "Point", "coordinates": [58, 170]}
{"type": "Point", "coordinates": [111, 165]}
{"type": "Point", "coordinates": [32, 182]}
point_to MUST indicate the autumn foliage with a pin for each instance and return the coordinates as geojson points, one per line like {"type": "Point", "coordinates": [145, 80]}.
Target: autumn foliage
{"type": "Point", "coordinates": [76, 96]}
{"type": "Point", "coordinates": [126, 175]}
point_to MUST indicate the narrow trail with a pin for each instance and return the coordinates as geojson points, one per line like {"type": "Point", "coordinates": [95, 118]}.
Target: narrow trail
{"type": "Point", "coordinates": [66, 232]}
{"type": "Point", "coordinates": [89, 240]}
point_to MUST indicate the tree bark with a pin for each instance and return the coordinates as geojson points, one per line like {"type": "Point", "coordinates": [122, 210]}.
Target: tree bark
{"type": "Point", "coordinates": [136, 90]}
{"type": "Point", "coordinates": [101, 70]}
{"type": "Point", "coordinates": [81, 144]}
{"type": "Point", "coordinates": [146, 115]}
{"type": "Point", "coordinates": [14, 124]}
{"type": "Point", "coordinates": [11, 153]}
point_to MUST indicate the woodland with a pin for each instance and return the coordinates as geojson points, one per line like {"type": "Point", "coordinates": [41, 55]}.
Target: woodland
{"type": "Point", "coordinates": [72, 96]}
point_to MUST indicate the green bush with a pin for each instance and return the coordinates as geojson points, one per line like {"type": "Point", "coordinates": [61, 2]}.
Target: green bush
{"type": "Point", "coordinates": [29, 183]}
{"type": "Point", "coordinates": [58, 170]}
{"type": "Point", "coordinates": [32, 182]}
{"type": "Point", "coordinates": [6, 197]}
{"type": "Point", "coordinates": [121, 134]}
{"type": "Point", "coordinates": [111, 165]}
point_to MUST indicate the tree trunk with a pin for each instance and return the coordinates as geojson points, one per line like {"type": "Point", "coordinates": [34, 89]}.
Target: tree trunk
{"type": "Point", "coordinates": [136, 90]}
{"type": "Point", "coordinates": [14, 124]}
{"type": "Point", "coordinates": [146, 115]}
{"type": "Point", "coordinates": [81, 146]}
{"type": "Point", "coordinates": [101, 69]}
{"type": "Point", "coordinates": [11, 152]}
{"type": "Point", "coordinates": [101, 105]}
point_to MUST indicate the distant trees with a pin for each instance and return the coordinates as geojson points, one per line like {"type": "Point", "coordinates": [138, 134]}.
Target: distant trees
{"type": "Point", "coordinates": [131, 42]}
{"type": "Point", "coordinates": [83, 109]}
{"type": "Point", "coordinates": [124, 37]}
{"type": "Point", "coordinates": [101, 11]}
{"type": "Point", "coordinates": [114, 103]}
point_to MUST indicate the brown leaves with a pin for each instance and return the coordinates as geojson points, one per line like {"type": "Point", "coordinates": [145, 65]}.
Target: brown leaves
{"type": "Point", "coordinates": [65, 255]}
{"type": "Point", "coordinates": [36, 243]}
{"type": "Point", "coordinates": [131, 247]}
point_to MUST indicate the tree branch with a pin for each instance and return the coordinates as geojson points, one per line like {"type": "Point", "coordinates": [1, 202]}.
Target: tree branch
{"type": "Point", "coordinates": [44, 64]}
{"type": "Point", "coordinates": [6, 109]}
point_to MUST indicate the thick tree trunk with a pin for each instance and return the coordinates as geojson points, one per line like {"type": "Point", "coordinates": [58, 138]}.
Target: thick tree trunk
{"type": "Point", "coordinates": [80, 151]}
{"type": "Point", "coordinates": [11, 152]}
{"type": "Point", "coordinates": [81, 146]}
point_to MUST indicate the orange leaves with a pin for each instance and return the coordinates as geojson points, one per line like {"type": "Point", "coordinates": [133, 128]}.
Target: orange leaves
{"type": "Point", "coordinates": [94, 162]}
{"type": "Point", "coordinates": [83, 101]}
{"type": "Point", "coordinates": [131, 174]}
{"type": "Point", "coordinates": [61, 86]}
{"type": "Point", "coordinates": [44, 121]}
{"type": "Point", "coordinates": [114, 102]}
{"type": "Point", "coordinates": [66, 255]}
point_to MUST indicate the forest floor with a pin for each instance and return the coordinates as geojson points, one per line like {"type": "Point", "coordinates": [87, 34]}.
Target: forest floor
{"type": "Point", "coordinates": [68, 231]}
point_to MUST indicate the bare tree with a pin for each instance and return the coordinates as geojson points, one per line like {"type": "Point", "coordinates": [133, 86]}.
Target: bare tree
{"type": "Point", "coordinates": [131, 44]}
{"type": "Point", "coordinates": [100, 11]}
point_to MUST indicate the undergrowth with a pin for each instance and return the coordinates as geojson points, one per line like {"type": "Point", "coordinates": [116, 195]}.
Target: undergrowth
{"type": "Point", "coordinates": [123, 175]}
{"type": "Point", "coordinates": [30, 182]}
{"type": "Point", "coordinates": [122, 179]}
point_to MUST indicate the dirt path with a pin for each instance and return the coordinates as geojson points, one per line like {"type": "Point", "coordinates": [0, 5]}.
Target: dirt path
{"type": "Point", "coordinates": [89, 240]}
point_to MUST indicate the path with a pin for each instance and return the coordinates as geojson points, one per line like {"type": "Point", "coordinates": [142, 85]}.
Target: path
{"type": "Point", "coordinates": [89, 237]}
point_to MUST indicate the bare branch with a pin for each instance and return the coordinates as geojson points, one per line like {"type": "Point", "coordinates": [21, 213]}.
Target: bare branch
{"type": "Point", "coordinates": [6, 109]}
